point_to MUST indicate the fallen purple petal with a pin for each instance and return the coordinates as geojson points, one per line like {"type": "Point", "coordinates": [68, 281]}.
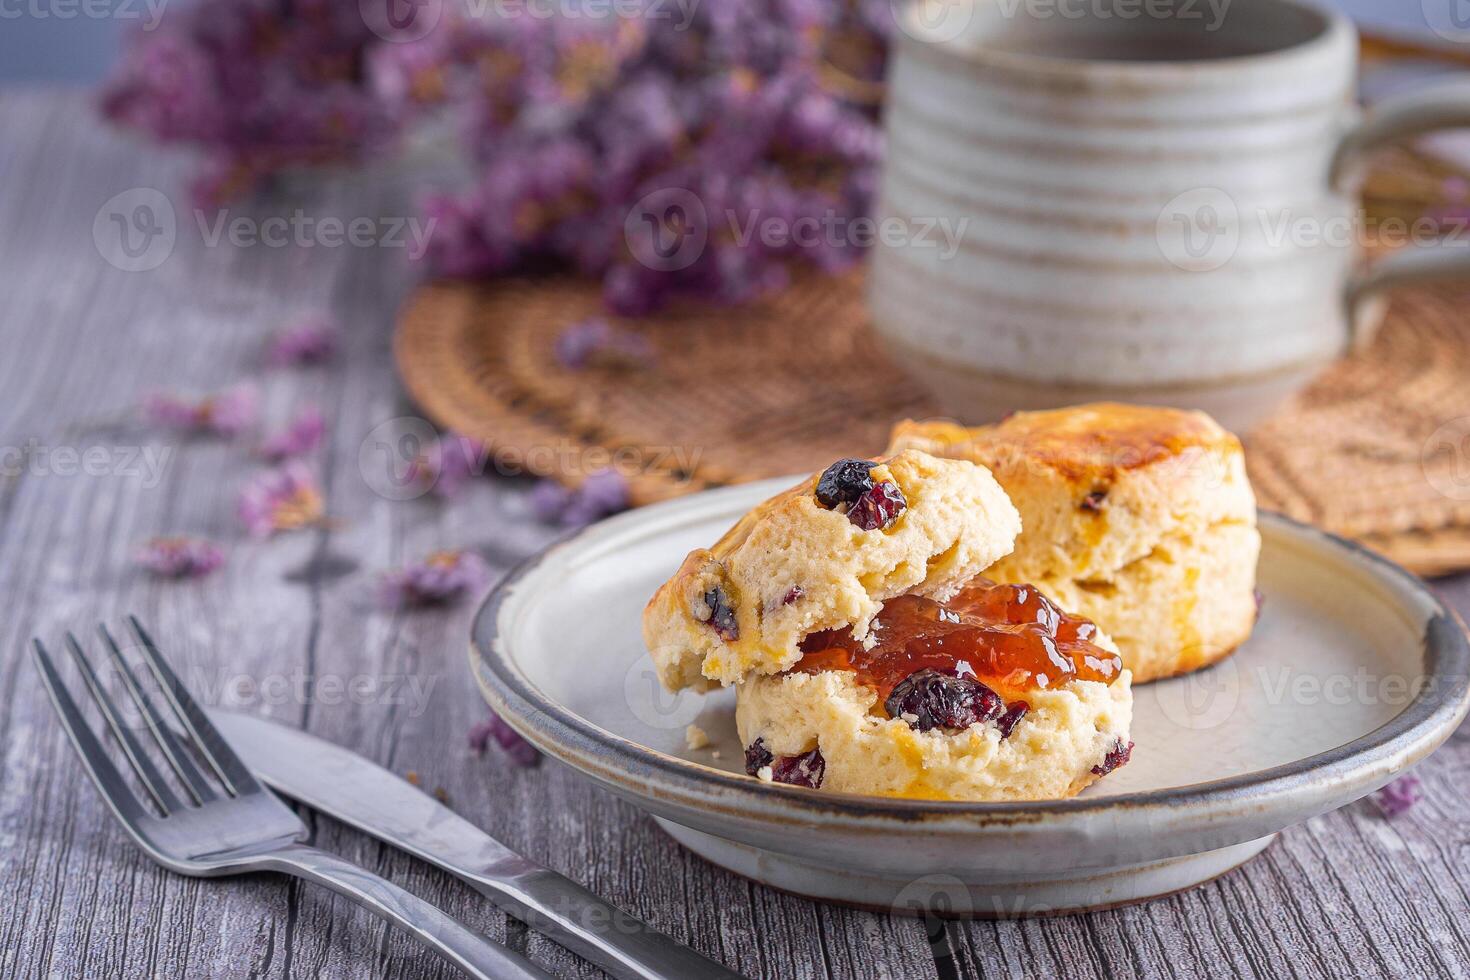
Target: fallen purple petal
{"type": "Point", "coordinates": [282, 499]}
{"type": "Point", "coordinates": [311, 340]}
{"type": "Point", "coordinates": [521, 752]}
{"type": "Point", "coordinates": [601, 494]}
{"type": "Point", "coordinates": [228, 413]}
{"type": "Point", "coordinates": [180, 557]}
{"type": "Point", "coordinates": [597, 341]}
{"type": "Point", "coordinates": [301, 438]}
{"type": "Point", "coordinates": [1399, 796]}
{"type": "Point", "coordinates": [442, 578]}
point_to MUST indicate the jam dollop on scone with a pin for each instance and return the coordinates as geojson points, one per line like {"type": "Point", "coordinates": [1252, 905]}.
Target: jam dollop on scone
{"type": "Point", "coordinates": [994, 694]}
{"type": "Point", "coordinates": [868, 655]}
{"type": "Point", "coordinates": [1140, 519]}
{"type": "Point", "coordinates": [825, 555]}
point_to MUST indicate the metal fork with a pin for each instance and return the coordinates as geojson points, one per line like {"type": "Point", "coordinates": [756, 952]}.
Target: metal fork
{"type": "Point", "coordinates": [235, 825]}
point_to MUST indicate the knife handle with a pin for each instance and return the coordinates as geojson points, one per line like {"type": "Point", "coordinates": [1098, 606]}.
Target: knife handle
{"type": "Point", "coordinates": [626, 947]}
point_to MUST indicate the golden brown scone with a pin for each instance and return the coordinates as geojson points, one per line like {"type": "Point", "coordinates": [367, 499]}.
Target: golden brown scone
{"type": "Point", "coordinates": [1060, 746]}
{"type": "Point", "coordinates": [1140, 519]}
{"type": "Point", "coordinates": [795, 565]}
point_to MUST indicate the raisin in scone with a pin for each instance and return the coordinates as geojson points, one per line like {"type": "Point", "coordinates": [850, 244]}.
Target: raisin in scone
{"type": "Point", "coordinates": [993, 695]}
{"type": "Point", "coordinates": [825, 555]}
{"type": "Point", "coordinates": [1140, 519]}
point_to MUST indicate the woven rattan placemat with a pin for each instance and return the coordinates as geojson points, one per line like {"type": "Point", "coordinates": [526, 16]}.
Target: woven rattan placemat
{"type": "Point", "coordinates": [1371, 450]}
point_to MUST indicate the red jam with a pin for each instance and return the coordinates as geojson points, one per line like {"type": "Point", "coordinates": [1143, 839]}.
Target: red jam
{"type": "Point", "coordinates": [1011, 638]}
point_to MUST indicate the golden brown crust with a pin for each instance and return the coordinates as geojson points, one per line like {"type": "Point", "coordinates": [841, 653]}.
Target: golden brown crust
{"type": "Point", "coordinates": [1141, 519]}
{"type": "Point", "coordinates": [791, 567]}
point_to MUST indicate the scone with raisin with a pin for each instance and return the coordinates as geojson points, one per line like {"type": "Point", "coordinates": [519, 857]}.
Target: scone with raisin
{"type": "Point", "coordinates": [1140, 519]}
{"type": "Point", "coordinates": [825, 555]}
{"type": "Point", "coordinates": [993, 695]}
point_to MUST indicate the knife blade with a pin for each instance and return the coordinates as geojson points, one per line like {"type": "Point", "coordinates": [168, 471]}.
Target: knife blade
{"type": "Point", "coordinates": [364, 795]}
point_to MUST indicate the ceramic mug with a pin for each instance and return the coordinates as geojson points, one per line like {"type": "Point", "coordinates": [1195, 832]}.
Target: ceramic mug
{"type": "Point", "coordinates": [1155, 208]}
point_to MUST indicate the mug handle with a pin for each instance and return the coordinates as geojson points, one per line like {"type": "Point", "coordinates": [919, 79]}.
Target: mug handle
{"type": "Point", "coordinates": [1440, 106]}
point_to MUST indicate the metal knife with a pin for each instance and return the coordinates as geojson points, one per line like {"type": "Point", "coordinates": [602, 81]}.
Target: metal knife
{"type": "Point", "coordinates": [360, 793]}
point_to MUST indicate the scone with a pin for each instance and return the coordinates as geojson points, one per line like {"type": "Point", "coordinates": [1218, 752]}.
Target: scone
{"type": "Point", "coordinates": [825, 555]}
{"type": "Point", "coordinates": [993, 695]}
{"type": "Point", "coordinates": [1140, 519]}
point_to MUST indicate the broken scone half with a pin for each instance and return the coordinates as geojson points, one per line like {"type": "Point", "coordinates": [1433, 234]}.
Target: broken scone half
{"type": "Point", "coordinates": [825, 554]}
{"type": "Point", "coordinates": [867, 655]}
{"type": "Point", "coordinates": [1141, 519]}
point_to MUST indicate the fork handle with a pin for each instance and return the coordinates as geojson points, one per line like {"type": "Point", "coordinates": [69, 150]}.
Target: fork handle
{"type": "Point", "coordinates": [474, 954]}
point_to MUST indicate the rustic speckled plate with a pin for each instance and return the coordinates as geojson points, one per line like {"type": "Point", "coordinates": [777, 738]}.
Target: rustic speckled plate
{"type": "Point", "coordinates": [1355, 673]}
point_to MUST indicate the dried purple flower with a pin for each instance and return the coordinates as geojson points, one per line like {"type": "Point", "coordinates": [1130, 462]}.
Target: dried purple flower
{"type": "Point", "coordinates": [597, 341]}
{"type": "Point", "coordinates": [282, 499]}
{"type": "Point", "coordinates": [447, 464]}
{"type": "Point", "coordinates": [180, 557]}
{"type": "Point", "coordinates": [227, 413]}
{"type": "Point", "coordinates": [521, 752]}
{"type": "Point", "coordinates": [310, 340]}
{"type": "Point", "coordinates": [442, 578]}
{"type": "Point", "coordinates": [1399, 796]}
{"type": "Point", "coordinates": [300, 438]}
{"type": "Point", "coordinates": [600, 494]}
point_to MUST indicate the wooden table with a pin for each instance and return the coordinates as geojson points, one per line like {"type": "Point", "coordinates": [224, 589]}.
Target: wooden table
{"type": "Point", "coordinates": [289, 621]}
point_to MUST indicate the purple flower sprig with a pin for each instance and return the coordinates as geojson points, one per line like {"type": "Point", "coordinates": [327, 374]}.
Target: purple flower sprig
{"type": "Point", "coordinates": [442, 578]}
{"type": "Point", "coordinates": [310, 340]}
{"type": "Point", "coordinates": [516, 748]}
{"type": "Point", "coordinates": [180, 557]}
{"type": "Point", "coordinates": [1399, 796]}
{"type": "Point", "coordinates": [601, 494]}
{"type": "Point", "coordinates": [227, 413]}
{"type": "Point", "coordinates": [302, 437]}
{"type": "Point", "coordinates": [283, 499]}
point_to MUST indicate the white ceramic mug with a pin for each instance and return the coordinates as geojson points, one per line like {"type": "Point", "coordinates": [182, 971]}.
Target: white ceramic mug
{"type": "Point", "coordinates": [1158, 208]}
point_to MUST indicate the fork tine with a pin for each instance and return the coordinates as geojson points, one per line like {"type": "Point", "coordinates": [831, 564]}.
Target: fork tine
{"type": "Point", "coordinates": [178, 757]}
{"type": "Point", "coordinates": [105, 777]}
{"type": "Point", "coordinates": [148, 774]}
{"type": "Point", "coordinates": [227, 765]}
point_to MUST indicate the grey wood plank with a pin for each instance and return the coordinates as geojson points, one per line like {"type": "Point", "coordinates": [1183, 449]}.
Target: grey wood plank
{"type": "Point", "coordinates": [94, 339]}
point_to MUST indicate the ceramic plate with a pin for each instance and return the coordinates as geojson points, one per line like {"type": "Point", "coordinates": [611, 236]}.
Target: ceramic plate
{"type": "Point", "coordinates": [1354, 673]}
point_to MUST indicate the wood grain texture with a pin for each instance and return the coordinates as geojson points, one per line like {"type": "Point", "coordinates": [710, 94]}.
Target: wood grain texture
{"type": "Point", "coordinates": [285, 627]}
